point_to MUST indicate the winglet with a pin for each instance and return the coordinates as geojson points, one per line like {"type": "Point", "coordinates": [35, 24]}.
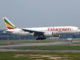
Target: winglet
{"type": "Point", "coordinates": [8, 24]}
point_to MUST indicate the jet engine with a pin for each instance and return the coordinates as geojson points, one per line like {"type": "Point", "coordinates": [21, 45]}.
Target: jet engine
{"type": "Point", "coordinates": [51, 34]}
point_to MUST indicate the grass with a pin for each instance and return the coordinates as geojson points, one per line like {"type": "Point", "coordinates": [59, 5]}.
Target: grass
{"type": "Point", "coordinates": [38, 56]}
{"type": "Point", "coordinates": [50, 48]}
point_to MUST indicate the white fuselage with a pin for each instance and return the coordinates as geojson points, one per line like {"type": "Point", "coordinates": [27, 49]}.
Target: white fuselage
{"type": "Point", "coordinates": [48, 31]}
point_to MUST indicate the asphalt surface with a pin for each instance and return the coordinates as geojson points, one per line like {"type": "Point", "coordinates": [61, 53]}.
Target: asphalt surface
{"type": "Point", "coordinates": [37, 44]}
{"type": "Point", "coordinates": [17, 50]}
{"type": "Point", "coordinates": [10, 48]}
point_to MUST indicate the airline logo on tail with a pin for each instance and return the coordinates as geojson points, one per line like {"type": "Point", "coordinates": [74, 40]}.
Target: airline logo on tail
{"type": "Point", "coordinates": [9, 25]}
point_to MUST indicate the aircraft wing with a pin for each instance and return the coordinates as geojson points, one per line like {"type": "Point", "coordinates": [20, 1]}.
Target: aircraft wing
{"type": "Point", "coordinates": [38, 33]}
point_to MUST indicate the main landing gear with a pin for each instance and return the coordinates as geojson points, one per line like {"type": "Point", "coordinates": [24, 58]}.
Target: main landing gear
{"type": "Point", "coordinates": [41, 38]}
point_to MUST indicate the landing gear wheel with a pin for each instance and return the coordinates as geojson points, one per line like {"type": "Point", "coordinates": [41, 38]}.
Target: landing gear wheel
{"type": "Point", "coordinates": [40, 38]}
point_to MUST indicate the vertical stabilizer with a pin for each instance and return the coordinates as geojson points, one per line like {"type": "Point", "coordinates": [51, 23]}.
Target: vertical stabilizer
{"type": "Point", "coordinates": [8, 24]}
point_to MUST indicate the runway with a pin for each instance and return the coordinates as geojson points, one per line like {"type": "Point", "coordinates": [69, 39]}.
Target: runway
{"type": "Point", "coordinates": [17, 50]}
{"type": "Point", "coordinates": [37, 44]}
{"type": "Point", "coordinates": [11, 48]}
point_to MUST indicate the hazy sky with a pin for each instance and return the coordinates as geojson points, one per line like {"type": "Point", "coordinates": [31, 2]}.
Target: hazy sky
{"type": "Point", "coordinates": [35, 13]}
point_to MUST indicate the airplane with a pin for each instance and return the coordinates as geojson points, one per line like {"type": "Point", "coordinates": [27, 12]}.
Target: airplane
{"type": "Point", "coordinates": [40, 32]}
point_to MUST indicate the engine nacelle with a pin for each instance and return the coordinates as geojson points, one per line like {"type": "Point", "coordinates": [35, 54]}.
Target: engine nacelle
{"type": "Point", "coordinates": [48, 34]}
{"type": "Point", "coordinates": [51, 34]}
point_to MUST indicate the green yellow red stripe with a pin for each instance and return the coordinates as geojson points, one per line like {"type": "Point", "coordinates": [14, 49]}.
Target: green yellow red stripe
{"type": "Point", "coordinates": [9, 25]}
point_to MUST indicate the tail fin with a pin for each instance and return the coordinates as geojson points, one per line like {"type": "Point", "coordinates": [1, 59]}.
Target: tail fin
{"type": "Point", "coordinates": [8, 24]}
